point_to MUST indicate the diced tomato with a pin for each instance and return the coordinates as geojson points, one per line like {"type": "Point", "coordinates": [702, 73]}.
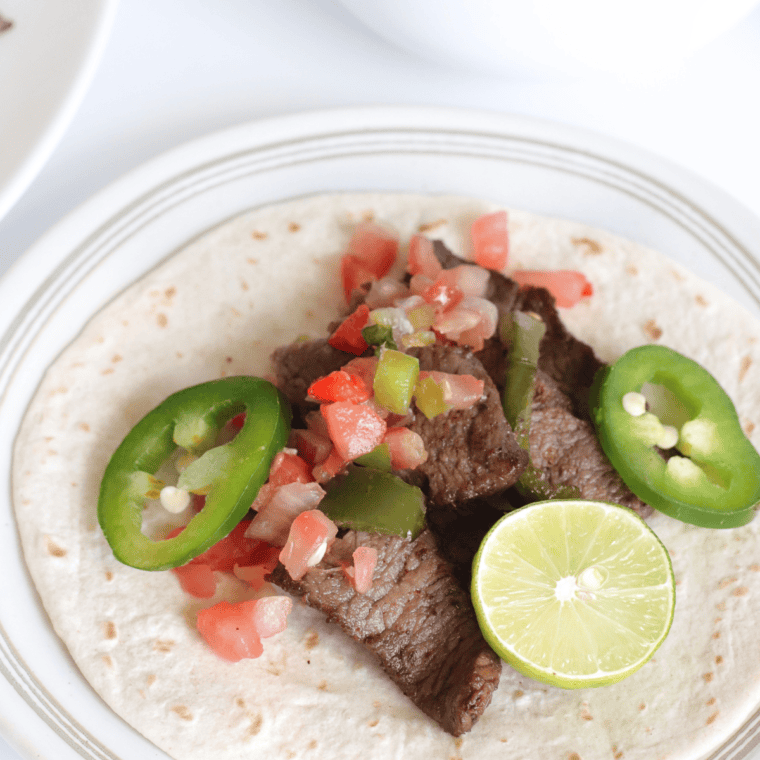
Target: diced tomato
{"type": "Point", "coordinates": [422, 258]}
{"type": "Point", "coordinates": [385, 292]}
{"type": "Point", "coordinates": [288, 467]}
{"type": "Point", "coordinates": [340, 386]}
{"type": "Point", "coordinates": [312, 447]}
{"type": "Point", "coordinates": [406, 447]}
{"type": "Point", "coordinates": [353, 275]}
{"type": "Point", "coordinates": [490, 240]}
{"type": "Point", "coordinates": [471, 280]}
{"type": "Point", "coordinates": [239, 421]}
{"type": "Point", "coordinates": [476, 336]}
{"type": "Point", "coordinates": [459, 391]}
{"type": "Point", "coordinates": [348, 336]}
{"type": "Point", "coordinates": [329, 467]}
{"type": "Point", "coordinates": [442, 294]}
{"type": "Point", "coordinates": [197, 580]}
{"type": "Point", "coordinates": [231, 630]}
{"type": "Point", "coordinates": [567, 286]}
{"type": "Point", "coordinates": [375, 247]}
{"type": "Point", "coordinates": [233, 549]}
{"type": "Point", "coordinates": [260, 566]}
{"type": "Point", "coordinates": [363, 367]}
{"type": "Point", "coordinates": [272, 522]}
{"type": "Point", "coordinates": [310, 537]}
{"type": "Point", "coordinates": [354, 429]}
{"type": "Point", "coordinates": [271, 614]}
{"type": "Point", "coordinates": [360, 574]}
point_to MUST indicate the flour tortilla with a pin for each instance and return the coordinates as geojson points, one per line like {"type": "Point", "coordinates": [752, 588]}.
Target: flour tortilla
{"type": "Point", "coordinates": [219, 307]}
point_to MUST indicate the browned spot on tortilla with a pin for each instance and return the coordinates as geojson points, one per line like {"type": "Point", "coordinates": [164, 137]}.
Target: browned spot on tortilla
{"type": "Point", "coordinates": [311, 640]}
{"type": "Point", "coordinates": [294, 227]}
{"type": "Point", "coordinates": [719, 660]}
{"type": "Point", "coordinates": [107, 661]}
{"type": "Point", "coordinates": [258, 235]}
{"type": "Point", "coordinates": [574, 756]}
{"type": "Point", "coordinates": [746, 363]}
{"type": "Point", "coordinates": [322, 686]}
{"type": "Point", "coordinates": [710, 702]}
{"type": "Point", "coordinates": [312, 744]}
{"type": "Point", "coordinates": [716, 635]}
{"type": "Point", "coordinates": [428, 226]}
{"type": "Point", "coordinates": [243, 284]}
{"type": "Point", "coordinates": [255, 727]}
{"type": "Point", "coordinates": [726, 582]}
{"type": "Point", "coordinates": [273, 669]}
{"type": "Point", "coordinates": [170, 292]}
{"type": "Point", "coordinates": [116, 358]}
{"type": "Point", "coordinates": [652, 330]}
{"type": "Point", "coordinates": [632, 270]}
{"type": "Point", "coordinates": [109, 629]}
{"type": "Point", "coordinates": [642, 707]}
{"type": "Point", "coordinates": [677, 275]}
{"type": "Point", "coordinates": [182, 711]}
{"type": "Point", "coordinates": [616, 753]}
{"type": "Point", "coordinates": [240, 702]}
{"type": "Point", "coordinates": [701, 300]}
{"type": "Point", "coordinates": [590, 246]}
{"type": "Point", "coordinates": [228, 360]}
{"type": "Point", "coordinates": [755, 568]}
{"type": "Point", "coordinates": [708, 677]}
{"type": "Point", "coordinates": [53, 549]}
{"type": "Point", "coordinates": [251, 260]}
{"type": "Point", "coordinates": [108, 371]}
{"type": "Point", "coordinates": [151, 679]}
{"type": "Point", "coordinates": [721, 606]}
{"type": "Point", "coordinates": [740, 591]}
{"type": "Point", "coordinates": [376, 704]}
{"type": "Point", "coordinates": [109, 576]}
{"type": "Point", "coordinates": [162, 320]}
{"type": "Point", "coordinates": [517, 693]}
{"type": "Point", "coordinates": [368, 215]}
{"type": "Point", "coordinates": [373, 723]}
{"type": "Point", "coordinates": [586, 713]}
{"type": "Point", "coordinates": [749, 427]}
{"type": "Point", "coordinates": [712, 717]}
{"type": "Point", "coordinates": [163, 645]}
{"type": "Point", "coordinates": [84, 426]}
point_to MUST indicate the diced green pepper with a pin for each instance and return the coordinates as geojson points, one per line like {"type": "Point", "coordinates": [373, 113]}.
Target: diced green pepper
{"type": "Point", "coordinates": [429, 398]}
{"type": "Point", "coordinates": [395, 379]}
{"type": "Point", "coordinates": [371, 500]}
{"type": "Point", "coordinates": [231, 474]}
{"type": "Point", "coordinates": [379, 458]}
{"type": "Point", "coordinates": [716, 483]}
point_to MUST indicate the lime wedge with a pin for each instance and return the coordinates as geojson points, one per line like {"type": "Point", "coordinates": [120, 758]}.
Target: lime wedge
{"type": "Point", "coordinates": [573, 593]}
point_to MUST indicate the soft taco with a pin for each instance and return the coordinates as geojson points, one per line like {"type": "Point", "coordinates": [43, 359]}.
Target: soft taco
{"type": "Point", "coordinates": [221, 307]}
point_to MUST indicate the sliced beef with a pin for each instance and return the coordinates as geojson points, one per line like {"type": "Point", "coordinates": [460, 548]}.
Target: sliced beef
{"type": "Point", "coordinates": [567, 452]}
{"type": "Point", "coordinates": [567, 360]}
{"type": "Point", "coordinates": [472, 452]}
{"type": "Point", "coordinates": [299, 364]}
{"type": "Point", "coordinates": [417, 621]}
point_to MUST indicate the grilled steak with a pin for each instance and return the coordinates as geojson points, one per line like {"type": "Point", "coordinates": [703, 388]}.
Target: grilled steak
{"type": "Point", "coordinates": [472, 452]}
{"type": "Point", "coordinates": [567, 451]}
{"type": "Point", "coordinates": [417, 621]}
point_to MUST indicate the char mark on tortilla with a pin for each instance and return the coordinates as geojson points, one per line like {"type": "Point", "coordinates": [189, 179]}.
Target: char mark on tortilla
{"type": "Point", "coordinates": [417, 621]}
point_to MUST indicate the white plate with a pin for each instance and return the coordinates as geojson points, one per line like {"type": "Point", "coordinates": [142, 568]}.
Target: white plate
{"type": "Point", "coordinates": [47, 60]}
{"type": "Point", "coordinates": [46, 708]}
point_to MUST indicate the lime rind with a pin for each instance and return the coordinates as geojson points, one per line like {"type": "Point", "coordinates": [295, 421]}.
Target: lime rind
{"type": "Point", "coordinates": [540, 619]}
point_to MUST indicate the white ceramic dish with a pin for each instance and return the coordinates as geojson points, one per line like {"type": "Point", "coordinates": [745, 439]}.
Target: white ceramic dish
{"type": "Point", "coordinates": [47, 61]}
{"type": "Point", "coordinates": [47, 710]}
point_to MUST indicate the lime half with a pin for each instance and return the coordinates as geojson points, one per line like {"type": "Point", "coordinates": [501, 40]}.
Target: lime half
{"type": "Point", "coordinates": [573, 593]}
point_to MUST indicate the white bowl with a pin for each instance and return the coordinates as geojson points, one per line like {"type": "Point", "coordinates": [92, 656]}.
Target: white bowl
{"type": "Point", "coordinates": [644, 38]}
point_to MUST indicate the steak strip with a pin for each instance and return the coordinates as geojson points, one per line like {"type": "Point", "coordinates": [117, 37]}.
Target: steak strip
{"type": "Point", "coordinates": [417, 621]}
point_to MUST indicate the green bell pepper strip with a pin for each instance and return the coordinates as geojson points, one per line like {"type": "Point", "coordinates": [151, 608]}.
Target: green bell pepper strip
{"type": "Point", "coordinates": [191, 418]}
{"type": "Point", "coordinates": [716, 483]}
{"type": "Point", "coordinates": [524, 331]}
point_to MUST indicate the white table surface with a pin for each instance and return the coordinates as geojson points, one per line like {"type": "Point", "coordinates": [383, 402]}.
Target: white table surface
{"type": "Point", "coordinates": [177, 69]}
